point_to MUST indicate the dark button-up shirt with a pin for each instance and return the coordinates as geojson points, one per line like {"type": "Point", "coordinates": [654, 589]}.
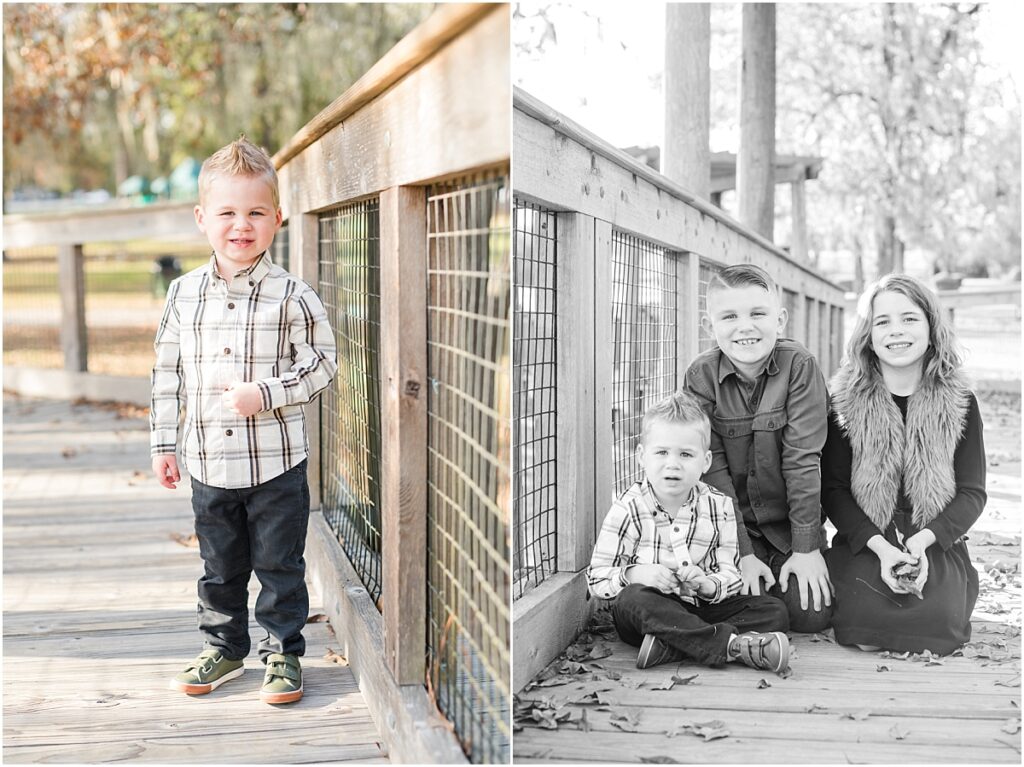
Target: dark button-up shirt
{"type": "Point", "coordinates": [766, 442]}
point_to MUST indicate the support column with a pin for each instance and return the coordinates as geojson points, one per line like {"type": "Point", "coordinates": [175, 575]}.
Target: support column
{"type": "Point", "coordinates": [71, 286]}
{"type": "Point", "coordinates": [798, 238]}
{"type": "Point", "coordinates": [686, 156]}
{"type": "Point", "coordinates": [755, 182]}
{"type": "Point", "coordinates": [403, 279]}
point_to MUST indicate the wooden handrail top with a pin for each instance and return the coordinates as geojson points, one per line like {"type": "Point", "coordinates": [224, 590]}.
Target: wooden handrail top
{"type": "Point", "coordinates": [538, 110]}
{"type": "Point", "coordinates": [443, 25]}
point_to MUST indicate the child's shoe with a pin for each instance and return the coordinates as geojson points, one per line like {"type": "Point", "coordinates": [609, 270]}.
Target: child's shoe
{"type": "Point", "coordinates": [769, 651]}
{"type": "Point", "coordinates": [283, 680]}
{"type": "Point", "coordinates": [206, 673]}
{"type": "Point", "coordinates": [654, 652]}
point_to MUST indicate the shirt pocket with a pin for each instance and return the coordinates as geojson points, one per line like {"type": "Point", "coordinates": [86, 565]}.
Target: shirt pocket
{"type": "Point", "coordinates": [735, 427]}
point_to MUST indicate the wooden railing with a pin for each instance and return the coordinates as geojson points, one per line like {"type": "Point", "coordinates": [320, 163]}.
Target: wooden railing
{"type": "Point", "coordinates": [616, 257]}
{"type": "Point", "coordinates": [396, 198]}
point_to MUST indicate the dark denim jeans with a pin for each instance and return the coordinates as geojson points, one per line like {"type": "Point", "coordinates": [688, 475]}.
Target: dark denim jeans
{"type": "Point", "coordinates": [809, 621]}
{"type": "Point", "coordinates": [261, 529]}
{"type": "Point", "coordinates": [700, 631]}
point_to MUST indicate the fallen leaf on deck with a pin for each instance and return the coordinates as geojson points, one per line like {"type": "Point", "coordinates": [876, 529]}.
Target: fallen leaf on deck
{"type": "Point", "coordinates": [882, 667]}
{"type": "Point", "coordinates": [684, 679]}
{"type": "Point", "coordinates": [599, 652]}
{"type": "Point", "coordinates": [763, 684]}
{"type": "Point", "coordinates": [627, 721]}
{"type": "Point", "coordinates": [555, 681]}
{"type": "Point", "coordinates": [1015, 682]}
{"type": "Point", "coordinates": [711, 730]}
{"type": "Point", "coordinates": [189, 541]}
{"type": "Point", "coordinates": [615, 676]}
{"type": "Point", "coordinates": [935, 662]}
{"type": "Point", "coordinates": [583, 723]}
{"type": "Point", "coordinates": [786, 673]}
{"type": "Point", "coordinates": [1011, 726]}
{"type": "Point", "coordinates": [69, 452]}
{"type": "Point", "coordinates": [859, 716]}
{"type": "Point", "coordinates": [659, 686]}
{"type": "Point", "coordinates": [897, 732]}
{"type": "Point", "coordinates": [318, 618]}
{"type": "Point", "coordinates": [333, 657]}
{"type": "Point", "coordinates": [815, 707]}
{"type": "Point", "coordinates": [572, 667]}
{"type": "Point", "coordinates": [658, 760]}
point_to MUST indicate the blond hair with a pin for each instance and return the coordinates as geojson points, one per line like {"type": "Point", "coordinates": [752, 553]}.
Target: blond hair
{"type": "Point", "coordinates": [680, 407]}
{"type": "Point", "coordinates": [239, 158]}
{"type": "Point", "coordinates": [741, 276]}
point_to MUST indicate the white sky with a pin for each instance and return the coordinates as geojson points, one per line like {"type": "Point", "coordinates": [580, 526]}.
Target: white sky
{"type": "Point", "coordinates": [605, 70]}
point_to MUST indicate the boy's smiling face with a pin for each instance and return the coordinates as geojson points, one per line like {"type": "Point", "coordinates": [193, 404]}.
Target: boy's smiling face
{"type": "Point", "coordinates": [746, 322]}
{"type": "Point", "coordinates": [673, 457]}
{"type": "Point", "coordinates": [238, 216]}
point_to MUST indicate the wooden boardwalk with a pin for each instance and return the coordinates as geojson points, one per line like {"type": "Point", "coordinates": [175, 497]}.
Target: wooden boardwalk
{"type": "Point", "coordinates": [99, 614]}
{"type": "Point", "coordinates": [839, 705]}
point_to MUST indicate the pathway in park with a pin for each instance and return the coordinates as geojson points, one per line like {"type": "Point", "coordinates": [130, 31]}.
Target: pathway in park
{"type": "Point", "coordinates": [99, 613]}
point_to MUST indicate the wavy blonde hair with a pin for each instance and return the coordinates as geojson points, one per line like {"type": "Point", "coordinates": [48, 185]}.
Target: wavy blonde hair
{"type": "Point", "coordinates": [943, 356]}
{"type": "Point", "coordinates": [239, 158]}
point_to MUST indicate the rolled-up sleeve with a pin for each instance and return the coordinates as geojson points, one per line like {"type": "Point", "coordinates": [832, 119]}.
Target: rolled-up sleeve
{"type": "Point", "coordinates": [616, 544]}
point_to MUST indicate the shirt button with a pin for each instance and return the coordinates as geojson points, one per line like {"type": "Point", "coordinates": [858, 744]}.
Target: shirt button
{"type": "Point", "coordinates": [771, 424]}
{"type": "Point", "coordinates": [684, 563]}
{"type": "Point", "coordinates": [231, 306]}
{"type": "Point", "coordinates": [229, 432]}
{"type": "Point", "coordinates": [731, 432]}
{"type": "Point", "coordinates": [251, 284]}
{"type": "Point", "coordinates": [675, 529]}
{"type": "Point", "coordinates": [227, 350]}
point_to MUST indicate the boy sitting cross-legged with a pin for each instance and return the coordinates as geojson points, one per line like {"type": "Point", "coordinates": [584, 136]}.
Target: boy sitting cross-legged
{"type": "Point", "coordinates": [667, 556]}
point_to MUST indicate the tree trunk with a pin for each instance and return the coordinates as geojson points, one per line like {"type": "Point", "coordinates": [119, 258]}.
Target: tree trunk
{"type": "Point", "coordinates": [686, 154]}
{"type": "Point", "coordinates": [755, 172]}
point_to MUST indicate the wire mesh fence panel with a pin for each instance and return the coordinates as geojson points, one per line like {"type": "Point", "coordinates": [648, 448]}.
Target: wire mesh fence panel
{"type": "Point", "coordinates": [644, 297]}
{"type": "Point", "coordinates": [350, 428]}
{"type": "Point", "coordinates": [468, 445]}
{"type": "Point", "coordinates": [534, 420]}
{"type": "Point", "coordinates": [707, 270]}
{"type": "Point", "coordinates": [31, 308]}
{"type": "Point", "coordinates": [279, 248]}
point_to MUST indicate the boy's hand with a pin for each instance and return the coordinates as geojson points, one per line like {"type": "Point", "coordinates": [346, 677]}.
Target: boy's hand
{"type": "Point", "coordinates": [753, 570]}
{"type": "Point", "coordinates": [811, 575]}
{"type": "Point", "coordinates": [243, 399]}
{"type": "Point", "coordinates": [656, 576]}
{"type": "Point", "coordinates": [165, 467]}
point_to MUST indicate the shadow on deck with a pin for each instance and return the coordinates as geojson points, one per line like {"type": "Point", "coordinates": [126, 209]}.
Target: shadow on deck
{"type": "Point", "coordinates": [839, 705]}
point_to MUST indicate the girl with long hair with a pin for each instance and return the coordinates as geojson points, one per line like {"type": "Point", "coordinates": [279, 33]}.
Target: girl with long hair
{"type": "Point", "coordinates": [903, 477]}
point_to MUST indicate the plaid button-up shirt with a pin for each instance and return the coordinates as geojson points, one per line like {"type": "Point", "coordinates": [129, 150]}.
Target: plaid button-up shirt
{"type": "Point", "coordinates": [264, 325]}
{"type": "Point", "coordinates": [638, 531]}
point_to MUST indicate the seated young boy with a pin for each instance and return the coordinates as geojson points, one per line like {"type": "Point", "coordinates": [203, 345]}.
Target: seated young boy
{"type": "Point", "coordinates": [667, 556]}
{"type": "Point", "coordinates": [767, 402]}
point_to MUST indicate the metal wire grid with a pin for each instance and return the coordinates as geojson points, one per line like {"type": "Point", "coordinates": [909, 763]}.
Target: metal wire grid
{"type": "Point", "coordinates": [534, 417]}
{"type": "Point", "coordinates": [468, 455]}
{"type": "Point", "coordinates": [279, 253]}
{"type": "Point", "coordinates": [350, 427]}
{"type": "Point", "coordinates": [708, 269]}
{"type": "Point", "coordinates": [644, 297]}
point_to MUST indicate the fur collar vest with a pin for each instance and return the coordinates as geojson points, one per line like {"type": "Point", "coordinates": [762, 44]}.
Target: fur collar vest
{"type": "Point", "coordinates": [888, 453]}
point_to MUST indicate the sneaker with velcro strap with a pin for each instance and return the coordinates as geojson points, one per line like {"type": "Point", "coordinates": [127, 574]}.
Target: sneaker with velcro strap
{"type": "Point", "coordinates": [207, 672]}
{"type": "Point", "coordinates": [765, 651]}
{"type": "Point", "coordinates": [282, 682]}
{"type": "Point", "coordinates": [654, 652]}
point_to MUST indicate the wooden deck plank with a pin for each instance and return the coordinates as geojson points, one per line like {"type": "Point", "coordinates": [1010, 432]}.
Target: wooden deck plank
{"type": "Point", "coordinates": [99, 614]}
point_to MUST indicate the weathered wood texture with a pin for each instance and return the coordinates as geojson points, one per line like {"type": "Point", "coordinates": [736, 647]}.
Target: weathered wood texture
{"type": "Point", "coordinates": [836, 707]}
{"type": "Point", "coordinates": [99, 614]}
{"type": "Point", "coordinates": [686, 158]}
{"type": "Point", "coordinates": [71, 285]}
{"type": "Point", "coordinates": [161, 221]}
{"type": "Point", "coordinates": [754, 171]}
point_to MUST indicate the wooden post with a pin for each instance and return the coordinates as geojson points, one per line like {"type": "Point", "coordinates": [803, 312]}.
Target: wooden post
{"type": "Point", "coordinates": [71, 285]}
{"type": "Point", "coordinates": [755, 173]}
{"type": "Point", "coordinates": [604, 476]}
{"type": "Point", "coordinates": [687, 316]}
{"type": "Point", "coordinates": [686, 155]}
{"type": "Point", "coordinates": [575, 391]}
{"type": "Point", "coordinates": [798, 238]}
{"type": "Point", "coordinates": [304, 262]}
{"type": "Point", "coordinates": [403, 264]}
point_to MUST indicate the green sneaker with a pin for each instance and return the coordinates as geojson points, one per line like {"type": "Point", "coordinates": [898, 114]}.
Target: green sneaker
{"type": "Point", "coordinates": [283, 680]}
{"type": "Point", "coordinates": [206, 673]}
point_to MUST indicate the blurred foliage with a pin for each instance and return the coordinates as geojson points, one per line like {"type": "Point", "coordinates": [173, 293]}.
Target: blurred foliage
{"type": "Point", "coordinates": [95, 93]}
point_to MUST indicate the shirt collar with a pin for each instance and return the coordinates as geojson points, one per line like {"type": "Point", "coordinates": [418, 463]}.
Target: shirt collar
{"type": "Point", "coordinates": [726, 368]}
{"type": "Point", "coordinates": [647, 493]}
{"type": "Point", "coordinates": [256, 271]}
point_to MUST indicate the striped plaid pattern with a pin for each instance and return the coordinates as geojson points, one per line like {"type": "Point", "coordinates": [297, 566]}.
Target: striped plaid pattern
{"type": "Point", "coordinates": [638, 531]}
{"type": "Point", "coordinates": [265, 325]}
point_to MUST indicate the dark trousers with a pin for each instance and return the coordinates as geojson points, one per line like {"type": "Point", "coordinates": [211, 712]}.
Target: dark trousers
{"type": "Point", "coordinates": [802, 621]}
{"type": "Point", "coordinates": [259, 529]}
{"type": "Point", "coordinates": [700, 631]}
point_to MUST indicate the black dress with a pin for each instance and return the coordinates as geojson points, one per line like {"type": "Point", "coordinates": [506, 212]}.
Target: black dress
{"type": "Point", "coordinates": [866, 611]}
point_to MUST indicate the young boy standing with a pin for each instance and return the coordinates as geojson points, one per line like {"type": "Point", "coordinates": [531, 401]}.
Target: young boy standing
{"type": "Point", "coordinates": [241, 346]}
{"type": "Point", "coordinates": [667, 555]}
{"type": "Point", "coordinates": [767, 402]}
